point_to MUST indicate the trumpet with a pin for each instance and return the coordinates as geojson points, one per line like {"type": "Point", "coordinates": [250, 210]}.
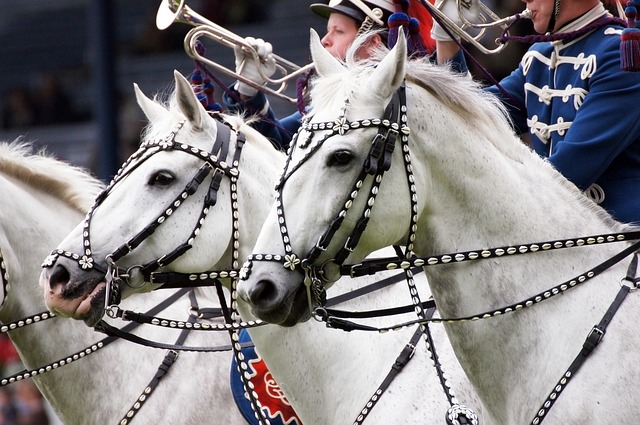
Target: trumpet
{"type": "Point", "coordinates": [171, 11]}
{"type": "Point", "coordinates": [487, 20]}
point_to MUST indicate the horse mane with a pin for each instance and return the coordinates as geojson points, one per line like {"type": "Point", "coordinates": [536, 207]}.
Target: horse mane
{"type": "Point", "coordinates": [71, 184]}
{"type": "Point", "coordinates": [456, 91]}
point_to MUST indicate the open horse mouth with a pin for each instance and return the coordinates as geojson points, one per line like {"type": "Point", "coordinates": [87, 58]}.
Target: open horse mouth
{"type": "Point", "coordinates": [78, 299]}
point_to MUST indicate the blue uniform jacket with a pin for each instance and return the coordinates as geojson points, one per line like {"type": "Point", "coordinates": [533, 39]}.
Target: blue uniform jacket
{"type": "Point", "coordinates": [581, 113]}
{"type": "Point", "coordinates": [278, 131]}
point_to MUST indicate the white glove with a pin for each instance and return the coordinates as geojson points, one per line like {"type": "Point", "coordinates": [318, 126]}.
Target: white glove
{"type": "Point", "coordinates": [449, 8]}
{"type": "Point", "coordinates": [255, 71]}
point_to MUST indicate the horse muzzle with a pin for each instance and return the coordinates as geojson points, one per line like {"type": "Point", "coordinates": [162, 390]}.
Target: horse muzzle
{"type": "Point", "coordinates": [271, 301]}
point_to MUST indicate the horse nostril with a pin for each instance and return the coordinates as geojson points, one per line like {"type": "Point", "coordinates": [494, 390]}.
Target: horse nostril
{"type": "Point", "coordinates": [262, 291]}
{"type": "Point", "coordinates": [59, 276]}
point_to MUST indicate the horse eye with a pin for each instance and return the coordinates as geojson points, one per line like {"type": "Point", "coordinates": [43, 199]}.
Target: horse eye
{"type": "Point", "coordinates": [161, 178]}
{"type": "Point", "coordinates": [340, 158]}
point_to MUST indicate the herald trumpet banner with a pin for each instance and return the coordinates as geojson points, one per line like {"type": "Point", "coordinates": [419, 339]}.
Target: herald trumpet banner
{"type": "Point", "coordinates": [171, 11]}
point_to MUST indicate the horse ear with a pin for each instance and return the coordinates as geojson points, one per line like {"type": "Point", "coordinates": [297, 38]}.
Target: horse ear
{"type": "Point", "coordinates": [389, 74]}
{"type": "Point", "coordinates": [324, 62]}
{"type": "Point", "coordinates": [188, 103]}
{"type": "Point", "coordinates": [152, 110]}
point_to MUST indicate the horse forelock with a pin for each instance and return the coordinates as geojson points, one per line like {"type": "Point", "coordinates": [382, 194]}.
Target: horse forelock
{"type": "Point", "coordinates": [68, 183]}
{"type": "Point", "coordinates": [455, 90]}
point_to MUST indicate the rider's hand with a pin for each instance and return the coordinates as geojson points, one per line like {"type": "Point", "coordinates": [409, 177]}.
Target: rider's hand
{"type": "Point", "coordinates": [470, 9]}
{"type": "Point", "coordinates": [256, 71]}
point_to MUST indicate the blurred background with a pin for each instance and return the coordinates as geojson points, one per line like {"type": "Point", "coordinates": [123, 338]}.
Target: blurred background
{"type": "Point", "coordinates": [67, 66]}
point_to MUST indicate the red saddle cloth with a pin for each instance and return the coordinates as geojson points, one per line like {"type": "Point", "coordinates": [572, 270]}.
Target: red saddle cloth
{"type": "Point", "coordinates": [274, 404]}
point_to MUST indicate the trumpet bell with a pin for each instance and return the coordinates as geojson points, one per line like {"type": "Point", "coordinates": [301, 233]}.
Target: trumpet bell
{"type": "Point", "coordinates": [171, 11]}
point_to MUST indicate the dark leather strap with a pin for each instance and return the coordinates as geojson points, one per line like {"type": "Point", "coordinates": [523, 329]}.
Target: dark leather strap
{"type": "Point", "coordinates": [593, 339]}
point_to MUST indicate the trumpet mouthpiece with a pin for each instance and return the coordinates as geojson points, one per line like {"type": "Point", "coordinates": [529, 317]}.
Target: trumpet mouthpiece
{"type": "Point", "coordinates": [526, 14]}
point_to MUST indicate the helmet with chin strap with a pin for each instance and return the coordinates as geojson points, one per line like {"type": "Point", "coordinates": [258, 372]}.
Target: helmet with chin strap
{"type": "Point", "coordinates": [386, 15]}
{"type": "Point", "coordinates": [378, 11]}
{"type": "Point", "coordinates": [554, 16]}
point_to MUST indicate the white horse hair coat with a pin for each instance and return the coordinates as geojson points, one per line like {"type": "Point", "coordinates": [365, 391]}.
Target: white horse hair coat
{"type": "Point", "coordinates": [327, 375]}
{"type": "Point", "coordinates": [476, 186]}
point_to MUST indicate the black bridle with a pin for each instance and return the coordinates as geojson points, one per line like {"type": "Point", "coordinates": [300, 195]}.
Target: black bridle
{"type": "Point", "coordinates": [213, 163]}
{"type": "Point", "coordinates": [391, 127]}
{"type": "Point", "coordinates": [314, 275]}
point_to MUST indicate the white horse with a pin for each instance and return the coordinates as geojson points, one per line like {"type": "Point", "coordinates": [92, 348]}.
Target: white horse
{"type": "Point", "coordinates": [42, 200]}
{"type": "Point", "coordinates": [473, 185]}
{"type": "Point", "coordinates": [327, 375]}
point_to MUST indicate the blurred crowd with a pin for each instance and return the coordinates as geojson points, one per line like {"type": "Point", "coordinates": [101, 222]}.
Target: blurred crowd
{"type": "Point", "coordinates": [21, 402]}
{"type": "Point", "coordinates": [45, 104]}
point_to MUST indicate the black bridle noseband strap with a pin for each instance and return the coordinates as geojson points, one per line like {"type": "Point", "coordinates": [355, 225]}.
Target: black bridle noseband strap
{"type": "Point", "coordinates": [390, 126]}
{"type": "Point", "coordinates": [213, 163]}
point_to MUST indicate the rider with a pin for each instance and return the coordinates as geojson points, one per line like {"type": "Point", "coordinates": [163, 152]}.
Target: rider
{"type": "Point", "coordinates": [570, 95]}
{"type": "Point", "coordinates": [346, 19]}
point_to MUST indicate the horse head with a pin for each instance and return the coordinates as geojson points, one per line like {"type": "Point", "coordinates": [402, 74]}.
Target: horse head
{"type": "Point", "coordinates": [350, 111]}
{"type": "Point", "coordinates": [171, 207]}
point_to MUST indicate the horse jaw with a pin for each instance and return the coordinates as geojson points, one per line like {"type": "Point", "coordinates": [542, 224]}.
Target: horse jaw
{"type": "Point", "coordinates": [188, 103]}
{"type": "Point", "coordinates": [152, 110]}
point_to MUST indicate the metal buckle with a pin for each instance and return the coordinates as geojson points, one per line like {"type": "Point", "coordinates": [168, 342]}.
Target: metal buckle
{"type": "Point", "coordinates": [195, 313]}
{"type": "Point", "coordinates": [320, 314]}
{"type": "Point", "coordinates": [598, 337]}
{"type": "Point", "coordinates": [634, 286]}
{"type": "Point", "coordinates": [129, 274]}
{"type": "Point", "coordinates": [110, 276]}
{"type": "Point", "coordinates": [112, 311]}
{"type": "Point", "coordinates": [318, 246]}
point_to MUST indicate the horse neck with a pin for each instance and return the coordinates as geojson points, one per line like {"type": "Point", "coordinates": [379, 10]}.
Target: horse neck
{"type": "Point", "coordinates": [482, 189]}
{"type": "Point", "coordinates": [32, 223]}
{"type": "Point", "coordinates": [477, 191]}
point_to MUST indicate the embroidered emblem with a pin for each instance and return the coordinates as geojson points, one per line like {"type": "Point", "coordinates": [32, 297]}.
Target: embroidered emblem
{"type": "Point", "coordinates": [85, 262]}
{"type": "Point", "coordinates": [274, 404]}
{"type": "Point", "coordinates": [340, 126]}
{"type": "Point", "coordinates": [48, 262]}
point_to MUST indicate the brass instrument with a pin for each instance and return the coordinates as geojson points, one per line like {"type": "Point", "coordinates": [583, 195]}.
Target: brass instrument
{"type": "Point", "coordinates": [171, 11]}
{"type": "Point", "coordinates": [487, 20]}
